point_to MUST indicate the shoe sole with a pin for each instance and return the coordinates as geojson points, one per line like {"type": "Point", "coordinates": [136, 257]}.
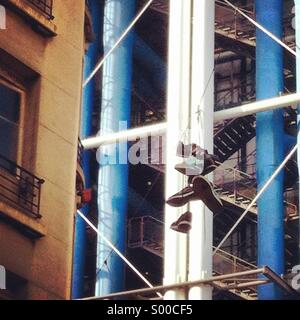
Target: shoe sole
{"type": "Point", "coordinates": [179, 201]}
{"type": "Point", "coordinates": [208, 196]}
{"type": "Point", "coordinates": [183, 227]}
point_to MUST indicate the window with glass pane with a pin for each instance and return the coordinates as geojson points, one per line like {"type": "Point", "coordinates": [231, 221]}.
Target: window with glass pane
{"type": "Point", "coordinates": [10, 101]}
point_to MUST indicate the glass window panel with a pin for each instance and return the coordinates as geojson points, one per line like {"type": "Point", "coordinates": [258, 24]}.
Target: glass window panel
{"type": "Point", "coordinates": [9, 103]}
{"type": "Point", "coordinates": [9, 139]}
{"type": "Point", "coordinates": [9, 124]}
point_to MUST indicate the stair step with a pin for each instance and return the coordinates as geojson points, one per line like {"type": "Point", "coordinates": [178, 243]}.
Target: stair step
{"type": "Point", "coordinates": [246, 201]}
{"type": "Point", "coordinates": [246, 36]}
{"type": "Point", "coordinates": [249, 126]}
{"type": "Point", "coordinates": [222, 147]}
{"type": "Point", "coordinates": [232, 144]}
{"type": "Point", "coordinates": [225, 192]}
{"type": "Point", "coordinates": [233, 134]}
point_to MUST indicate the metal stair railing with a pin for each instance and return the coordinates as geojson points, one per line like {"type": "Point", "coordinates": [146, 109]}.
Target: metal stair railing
{"type": "Point", "coordinates": [238, 29]}
{"type": "Point", "coordinates": [239, 188]}
{"type": "Point", "coordinates": [235, 186]}
{"type": "Point", "coordinates": [147, 232]}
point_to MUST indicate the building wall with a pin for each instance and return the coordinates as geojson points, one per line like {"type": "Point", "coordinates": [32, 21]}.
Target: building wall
{"type": "Point", "coordinates": [49, 146]}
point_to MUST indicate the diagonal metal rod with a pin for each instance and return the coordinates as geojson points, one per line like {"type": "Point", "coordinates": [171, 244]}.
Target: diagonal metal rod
{"type": "Point", "coordinates": [259, 26]}
{"type": "Point", "coordinates": [115, 250]}
{"type": "Point", "coordinates": [124, 34]}
{"type": "Point", "coordinates": [261, 191]}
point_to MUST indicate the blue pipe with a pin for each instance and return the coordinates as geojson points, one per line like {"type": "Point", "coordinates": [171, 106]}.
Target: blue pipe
{"type": "Point", "coordinates": [113, 178]}
{"type": "Point", "coordinates": [270, 143]}
{"type": "Point", "coordinates": [297, 26]}
{"type": "Point", "coordinates": [90, 60]}
{"type": "Point", "coordinates": [145, 89]}
{"type": "Point", "coordinates": [152, 63]}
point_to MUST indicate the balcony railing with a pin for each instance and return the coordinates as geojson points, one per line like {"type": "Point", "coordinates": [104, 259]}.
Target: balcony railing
{"type": "Point", "coordinates": [80, 153]}
{"type": "Point", "coordinates": [20, 188]}
{"type": "Point", "coordinates": [44, 6]}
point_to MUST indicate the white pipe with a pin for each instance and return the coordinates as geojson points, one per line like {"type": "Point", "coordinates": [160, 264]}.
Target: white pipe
{"type": "Point", "coordinates": [202, 126]}
{"type": "Point", "coordinates": [126, 135]}
{"type": "Point", "coordinates": [178, 103]}
{"type": "Point", "coordinates": [258, 106]}
{"type": "Point", "coordinates": [160, 128]}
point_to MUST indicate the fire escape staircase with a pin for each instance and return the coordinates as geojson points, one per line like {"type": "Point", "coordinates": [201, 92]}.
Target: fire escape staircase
{"type": "Point", "coordinates": [147, 233]}
{"type": "Point", "coordinates": [233, 135]}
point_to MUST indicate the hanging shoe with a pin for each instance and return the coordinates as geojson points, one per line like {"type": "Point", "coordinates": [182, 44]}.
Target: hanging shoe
{"type": "Point", "coordinates": [203, 190]}
{"type": "Point", "coordinates": [191, 167]}
{"type": "Point", "coordinates": [188, 150]}
{"type": "Point", "coordinates": [183, 224]}
{"type": "Point", "coordinates": [182, 197]}
{"type": "Point", "coordinates": [194, 166]}
{"type": "Point", "coordinates": [211, 162]}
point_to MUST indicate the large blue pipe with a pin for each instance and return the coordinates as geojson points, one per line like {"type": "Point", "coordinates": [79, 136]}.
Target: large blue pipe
{"type": "Point", "coordinates": [270, 143]}
{"type": "Point", "coordinates": [152, 64]}
{"type": "Point", "coordinates": [113, 176]}
{"type": "Point", "coordinates": [90, 60]}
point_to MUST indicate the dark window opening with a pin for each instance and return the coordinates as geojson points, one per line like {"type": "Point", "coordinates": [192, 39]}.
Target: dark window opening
{"type": "Point", "coordinates": [10, 105]}
{"type": "Point", "coordinates": [44, 6]}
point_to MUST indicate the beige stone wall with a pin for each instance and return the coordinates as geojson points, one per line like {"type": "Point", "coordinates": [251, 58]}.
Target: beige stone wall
{"type": "Point", "coordinates": [47, 262]}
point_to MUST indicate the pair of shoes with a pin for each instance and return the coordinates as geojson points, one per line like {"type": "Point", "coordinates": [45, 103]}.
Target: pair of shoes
{"type": "Point", "coordinates": [198, 189]}
{"type": "Point", "coordinates": [183, 224]}
{"type": "Point", "coordinates": [190, 150]}
{"type": "Point", "coordinates": [199, 161]}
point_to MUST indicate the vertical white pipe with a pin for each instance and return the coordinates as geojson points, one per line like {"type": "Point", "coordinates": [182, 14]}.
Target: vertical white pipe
{"type": "Point", "coordinates": [200, 255]}
{"type": "Point", "coordinates": [179, 68]}
{"type": "Point", "coordinates": [297, 32]}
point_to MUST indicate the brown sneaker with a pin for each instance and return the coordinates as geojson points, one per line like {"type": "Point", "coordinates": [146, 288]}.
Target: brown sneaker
{"type": "Point", "coordinates": [204, 191]}
{"type": "Point", "coordinates": [182, 197]}
{"type": "Point", "coordinates": [183, 224]}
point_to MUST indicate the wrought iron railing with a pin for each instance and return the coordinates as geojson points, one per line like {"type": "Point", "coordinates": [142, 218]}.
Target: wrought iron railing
{"type": "Point", "coordinates": [242, 188]}
{"type": "Point", "coordinates": [80, 152]}
{"type": "Point", "coordinates": [44, 6]}
{"type": "Point", "coordinates": [147, 232]}
{"type": "Point", "coordinates": [20, 188]}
